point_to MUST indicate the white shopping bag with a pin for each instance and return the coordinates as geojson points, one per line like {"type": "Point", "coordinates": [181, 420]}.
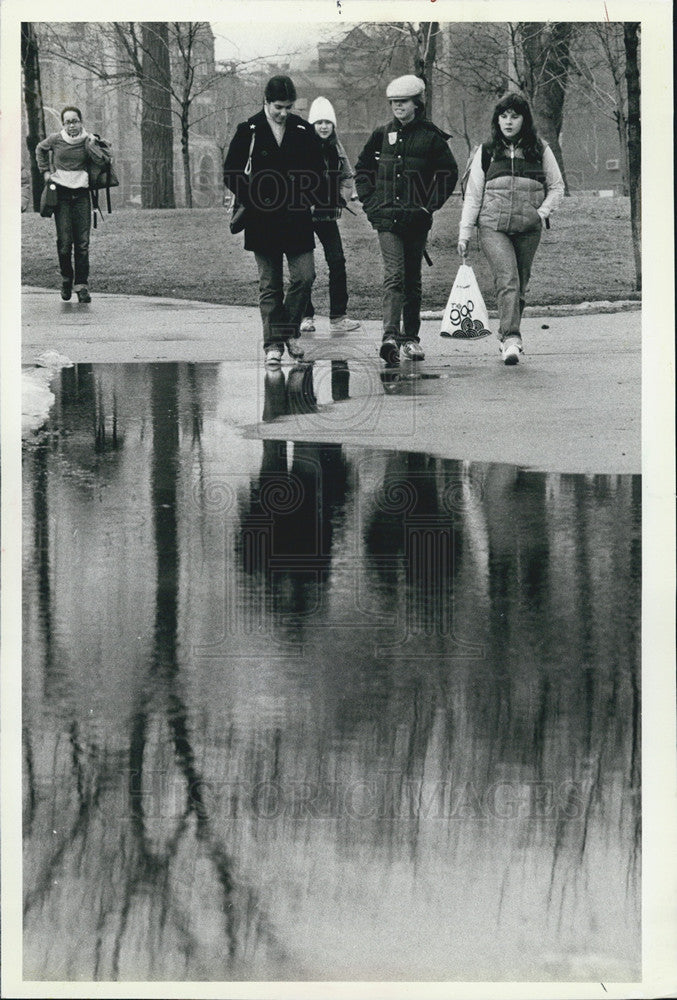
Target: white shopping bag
{"type": "Point", "coordinates": [465, 317]}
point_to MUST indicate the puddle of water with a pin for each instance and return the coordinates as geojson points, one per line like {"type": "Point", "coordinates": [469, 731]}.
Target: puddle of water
{"type": "Point", "coordinates": [299, 711]}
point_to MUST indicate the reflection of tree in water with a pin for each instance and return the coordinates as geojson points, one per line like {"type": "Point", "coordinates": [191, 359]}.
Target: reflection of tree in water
{"type": "Point", "coordinates": [412, 540]}
{"type": "Point", "coordinates": [144, 883]}
{"type": "Point", "coordinates": [553, 706]}
{"type": "Point", "coordinates": [541, 572]}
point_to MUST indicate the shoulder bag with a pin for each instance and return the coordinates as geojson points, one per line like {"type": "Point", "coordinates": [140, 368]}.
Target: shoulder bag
{"type": "Point", "coordinates": [49, 199]}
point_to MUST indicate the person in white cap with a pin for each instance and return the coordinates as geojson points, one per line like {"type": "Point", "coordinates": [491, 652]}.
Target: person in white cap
{"type": "Point", "coordinates": [340, 190]}
{"type": "Point", "coordinates": [405, 172]}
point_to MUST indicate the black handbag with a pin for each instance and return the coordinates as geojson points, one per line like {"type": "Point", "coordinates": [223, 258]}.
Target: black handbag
{"type": "Point", "coordinates": [102, 175]}
{"type": "Point", "coordinates": [238, 219]}
{"type": "Point", "coordinates": [49, 199]}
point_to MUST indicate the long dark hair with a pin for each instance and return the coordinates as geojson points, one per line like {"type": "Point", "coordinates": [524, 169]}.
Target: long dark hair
{"type": "Point", "coordinates": [528, 140]}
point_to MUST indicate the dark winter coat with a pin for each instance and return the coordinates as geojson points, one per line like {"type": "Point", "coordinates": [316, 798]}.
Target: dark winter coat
{"type": "Point", "coordinates": [339, 177]}
{"type": "Point", "coordinates": [402, 170]}
{"type": "Point", "coordinates": [285, 181]}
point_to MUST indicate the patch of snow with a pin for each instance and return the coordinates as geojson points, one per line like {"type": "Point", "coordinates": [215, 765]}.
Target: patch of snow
{"type": "Point", "coordinates": [36, 396]}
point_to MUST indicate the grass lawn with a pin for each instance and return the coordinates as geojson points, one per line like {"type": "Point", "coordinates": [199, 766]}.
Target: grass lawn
{"type": "Point", "coordinates": [191, 254]}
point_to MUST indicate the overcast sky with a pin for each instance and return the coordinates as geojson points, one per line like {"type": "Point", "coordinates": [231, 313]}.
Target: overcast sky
{"type": "Point", "coordinates": [247, 41]}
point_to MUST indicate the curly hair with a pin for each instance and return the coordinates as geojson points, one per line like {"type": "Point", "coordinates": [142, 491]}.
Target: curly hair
{"type": "Point", "coordinates": [529, 141]}
{"type": "Point", "coordinates": [70, 107]}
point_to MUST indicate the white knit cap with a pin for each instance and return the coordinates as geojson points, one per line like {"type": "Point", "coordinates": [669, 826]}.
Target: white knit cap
{"type": "Point", "coordinates": [321, 110]}
{"type": "Point", "coordinates": [405, 87]}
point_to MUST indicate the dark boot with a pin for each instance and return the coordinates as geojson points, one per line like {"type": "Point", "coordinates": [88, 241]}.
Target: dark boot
{"type": "Point", "coordinates": [66, 289]}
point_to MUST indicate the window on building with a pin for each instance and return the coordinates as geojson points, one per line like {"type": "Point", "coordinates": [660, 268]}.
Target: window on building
{"type": "Point", "coordinates": [613, 165]}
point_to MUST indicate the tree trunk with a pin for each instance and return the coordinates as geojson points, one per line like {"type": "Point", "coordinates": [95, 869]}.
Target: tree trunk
{"type": "Point", "coordinates": [631, 37]}
{"type": "Point", "coordinates": [429, 63]}
{"type": "Point", "coordinates": [424, 59]}
{"type": "Point", "coordinates": [185, 156]}
{"type": "Point", "coordinates": [622, 127]}
{"type": "Point", "coordinates": [546, 57]}
{"type": "Point", "coordinates": [617, 70]}
{"type": "Point", "coordinates": [35, 114]}
{"type": "Point", "coordinates": [157, 152]}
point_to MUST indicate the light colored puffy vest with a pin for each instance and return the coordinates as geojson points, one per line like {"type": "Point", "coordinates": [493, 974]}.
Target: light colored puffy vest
{"type": "Point", "coordinates": [513, 190]}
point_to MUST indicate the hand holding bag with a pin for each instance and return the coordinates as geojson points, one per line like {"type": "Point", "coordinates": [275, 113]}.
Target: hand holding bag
{"type": "Point", "coordinates": [238, 218]}
{"type": "Point", "coordinates": [49, 199]}
{"type": "Point", "coordinates": [465, 317]}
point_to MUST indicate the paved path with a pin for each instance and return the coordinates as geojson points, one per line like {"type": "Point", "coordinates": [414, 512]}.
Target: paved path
{"type": "Point", "coordinates": [571, 405]}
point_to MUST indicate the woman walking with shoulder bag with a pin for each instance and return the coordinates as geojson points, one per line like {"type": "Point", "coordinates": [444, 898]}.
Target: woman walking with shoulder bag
{"type": "Point", "coordinates": [71, 151]}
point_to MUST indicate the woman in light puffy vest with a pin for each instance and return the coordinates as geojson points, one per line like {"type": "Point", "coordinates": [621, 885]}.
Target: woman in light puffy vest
{"type": "Point", "coordinates": [509, 204]}
{"type": "Point", "coordinates": [340, 190]}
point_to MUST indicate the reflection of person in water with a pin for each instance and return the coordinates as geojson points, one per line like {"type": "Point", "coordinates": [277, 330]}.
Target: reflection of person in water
{"type": "Point", "coordinates": [413, 529]}
{"type": "Point", "coordinates": [289, 520]}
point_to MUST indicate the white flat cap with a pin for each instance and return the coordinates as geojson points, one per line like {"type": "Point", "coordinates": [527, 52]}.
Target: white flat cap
{"type": "Point", "coordinates": [404, 87]}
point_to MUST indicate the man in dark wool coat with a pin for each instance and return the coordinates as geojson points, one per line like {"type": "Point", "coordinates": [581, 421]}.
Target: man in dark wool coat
{"type": "Point", "coordinates": [275, 169]}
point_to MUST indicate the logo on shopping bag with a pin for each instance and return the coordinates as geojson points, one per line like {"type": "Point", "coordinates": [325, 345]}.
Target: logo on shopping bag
{"type": "Point", "coordinates": [465, 316]}
{"type": "Point", "coordinates": [463, 326]}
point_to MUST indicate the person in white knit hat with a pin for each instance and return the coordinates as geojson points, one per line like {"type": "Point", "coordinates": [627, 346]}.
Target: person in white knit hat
{"type": "Point", "coordinates": [339, 174]}
{"type": "Point", "coordinates": [405, 172]}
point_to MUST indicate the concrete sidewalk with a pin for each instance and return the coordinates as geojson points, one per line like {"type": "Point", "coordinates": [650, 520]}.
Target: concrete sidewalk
{"type": "Point", "coordinates": [571, 405]}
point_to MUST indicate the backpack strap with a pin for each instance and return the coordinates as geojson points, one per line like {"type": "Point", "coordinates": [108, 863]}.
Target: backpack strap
{"type": "Point", "coordinates": [486, 157]}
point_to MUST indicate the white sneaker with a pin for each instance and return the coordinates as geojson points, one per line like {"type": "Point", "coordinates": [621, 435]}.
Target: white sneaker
{"type": "Point", "coordinates": [343, 324]}
{"type": "Point", "coordinates": [510, 351]}
{"type": "Point", "coordinates": [273, 357]}
{"type": "Point", "coordinates": [412, 351]}
{"type": "Point", "coordinates": [307, 325]}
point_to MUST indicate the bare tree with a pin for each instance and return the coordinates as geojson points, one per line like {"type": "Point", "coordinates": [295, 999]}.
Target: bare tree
{"type": "Point", "coordinates": [532, 57]}
{"type": "Point", "coordinates": [542, 64]}
{"type": "Point", "coordinates": [419, 37]}
{"type": "Point", "coordinates": [631, 31]}
{"type": "Point", "coordinates": [30, 65]}
{"type": "Point", "coordinates": [598, 79]}
{"type": "Point", "coordinates": [157, 166]}
{"type": "Point", "coordinates": [196, 75]}
{"type": "Point", "coordinates": [134, 58]}
{"type": "Point", "coordinates": [143, 71]}
{"type": "Point", "coordinates": [424, 35]}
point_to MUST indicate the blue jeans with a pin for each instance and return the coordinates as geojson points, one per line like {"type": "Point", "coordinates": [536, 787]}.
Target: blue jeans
{"type": "Point", "coordinates": [281, 314]}
{"type": "Point", "coordinates": [73, 219]}
{"type": "Point", "coordinates": [329, 236]}
{"type": "Point", "coordinates": [402, 257]}
{"type": "Point", "coordinates": [510, 257]}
